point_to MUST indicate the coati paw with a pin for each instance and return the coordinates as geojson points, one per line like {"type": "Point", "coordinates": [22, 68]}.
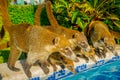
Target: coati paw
{"type": "Point", "coordinates": [55, 68]}
{"type": "Point", "coordinates": [62, 66]}
{"type": "Point", "coordinates": [116, 54]}
{"type": "Point", "coordinates": [47, 64]}
{"type": "Point", "coordinates": [46, 70]}
{"type": "Point", "coordinates": [76, 60]}
{"type": "Point", "coordinates": [104, 55]}
{"type": "Point", "coordinates": [29, 75]}
{"type": "Point", "coordinates": [93, 58]}
{"type": "Point", "coordinates": [87, 60]}
{"type": "Point", "coordinates": [13, 68]}
{"type": "Point", "coordinates": [98, 52]}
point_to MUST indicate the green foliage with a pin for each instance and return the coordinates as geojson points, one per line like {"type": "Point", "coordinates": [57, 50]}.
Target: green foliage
{"type": "Point", "coordinates": [4, 54]}
{"type": "Point", "coordinates": [43, 18]}
{"type": "Point", "coordinates": [61, 12]}
{"type": "Point", "coordinates": [22, 14]}
{"type": "Point", "coordinates": [79, 13]}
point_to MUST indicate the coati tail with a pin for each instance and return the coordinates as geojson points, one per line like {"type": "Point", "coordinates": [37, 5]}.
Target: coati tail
{"type": "Point", "coordinates": [115, 34]}
{"type": "Point", "coordinates": [90, 27]}
{"type": "Point", "coordinates": [50, 15]}
{"type": "Point", "coordinates": [37, 14]}
{"type": "Point", "coordinates": [5, 16]}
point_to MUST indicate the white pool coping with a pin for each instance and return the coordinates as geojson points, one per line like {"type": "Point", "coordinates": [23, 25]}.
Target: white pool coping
{"type": "Point", "coordinates": [38, 74]}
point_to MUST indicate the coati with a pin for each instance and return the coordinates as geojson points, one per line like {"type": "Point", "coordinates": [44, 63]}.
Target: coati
{"type": "Point", "coordinates": [57, 58]}
{"type": "Point", "coordinates": [36, 41]}
{"type": "Point", "coordinates": [115, 34]}
{"type": "Point", "coordinates": [101, 36]}
{"type": "Point", "coordinates": [76, 38]}
{"type": "Point", "coordinates": [88, 54]}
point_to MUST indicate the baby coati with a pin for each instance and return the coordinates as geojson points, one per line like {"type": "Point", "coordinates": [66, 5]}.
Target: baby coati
{"type": "Point", "coordinates": [101, 37]}
{"type": "Point", "coordinates": [36, 41]}
{"type": "Point", "coordinates": [76, 38]}
{"type": "Point", "coordinates": [85, 55]}
{"type": "Point", "coordinates": [59, 59]}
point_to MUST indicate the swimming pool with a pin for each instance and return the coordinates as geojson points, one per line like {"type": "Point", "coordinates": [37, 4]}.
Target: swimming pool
{"type": "Point", "coordinates": [109, 71]}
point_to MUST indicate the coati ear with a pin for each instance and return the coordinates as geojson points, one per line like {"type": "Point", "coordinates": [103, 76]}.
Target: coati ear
{"type": "Point", "coordinates": [56, 41]}
{"type": "Point", "coordinates": [82, 33]}
{"type": "Point", "coordinates": [75, 35]}
{"type": "Point", "coordinates": [105, 38]}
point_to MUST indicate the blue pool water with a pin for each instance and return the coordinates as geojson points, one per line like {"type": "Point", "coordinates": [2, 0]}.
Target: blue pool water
{"type": "Point", "coordinates": [110, 71]}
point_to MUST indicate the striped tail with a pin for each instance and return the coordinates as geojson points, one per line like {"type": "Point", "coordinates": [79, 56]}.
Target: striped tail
{"type": "Point", "coordinates": [4, 13]}
{"type": "Point", "coordinates": [37, 14]}
{"type": "Point", "coordinates": [50, 15]}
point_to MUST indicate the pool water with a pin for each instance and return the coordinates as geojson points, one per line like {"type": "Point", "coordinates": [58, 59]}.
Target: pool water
{"type": "Point", "coordinates": [109, 71]}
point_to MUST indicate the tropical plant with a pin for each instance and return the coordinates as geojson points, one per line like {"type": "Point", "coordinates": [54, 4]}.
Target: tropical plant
{"type": "Point", "coordinates": [79, 13]}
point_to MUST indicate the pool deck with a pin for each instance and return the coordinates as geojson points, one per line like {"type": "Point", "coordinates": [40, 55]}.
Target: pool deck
{"type": "Point", "coordinates": [7, 74]}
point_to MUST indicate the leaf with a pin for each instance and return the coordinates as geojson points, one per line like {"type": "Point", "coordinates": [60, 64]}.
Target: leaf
{"type": "Point", "coordinates": [80, 23]}
{"type": "Point", "coordinates": [74, 16]}
{"type": "Point", "coordinates": [1, 59]}
{"type": "Point", "coordinates": [118, 25]}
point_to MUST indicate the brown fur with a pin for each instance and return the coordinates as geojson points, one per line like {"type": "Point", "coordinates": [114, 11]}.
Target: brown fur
{"type": "Point", "coordinates": [37, 14]}
{"type": "Point", "coordinates": [75, 37]}
{"type": "Point", "coordinates": [115, 34]}
{"type": "Point", "coordinates": [100, 35]}
{"type": "Point", "coordinates": [36, 41]}
{"type": "Point", "coordinates": [57, 58]}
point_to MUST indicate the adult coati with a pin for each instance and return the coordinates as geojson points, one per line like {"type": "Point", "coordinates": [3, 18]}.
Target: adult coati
{"type": "Point", "coordinates": [101, 36]}
{"type": "Point", "coordinates": [36, 41]}
{"type": "Point", "coordinates": [76, 38]}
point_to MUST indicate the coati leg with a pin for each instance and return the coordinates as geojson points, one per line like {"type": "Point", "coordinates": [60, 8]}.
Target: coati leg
{"type": "Point", "coordinates": [115, 53]}
{"type": "Point", "coordinates": [93, 58]}
{"type": "Point", "coordinates": [54, 67]}
{"type": "Point", "coordinates": [100, 50]}
{"type": "Point", "coordinates": [78, 53]}
{"type": "Point", "coordinates": [52, 62]}
{"type": "Point", "coordinates": [62, 65]}
{"type": "Point", "coordinates": [31, 59]}
{"type": "Point", "coordinates": [27, 70]}
{"type": "Point", "coordinates": [13, 57]}
{"type": "Point", "coordinates": [44, 68]}
{"type": "Point", "coordinates": [44, 63]}
{"type": "Point", "coordinates": [84, 57]}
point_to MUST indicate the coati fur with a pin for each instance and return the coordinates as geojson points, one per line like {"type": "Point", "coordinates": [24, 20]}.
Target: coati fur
{"type": "Point", "coordinates": [76, 38]}
{"type": "Point", "coordinates": [37, 14]}
{"type": "Point", "coordinates": [58, 59]}
{"type": "Point", "coordinates": [101, 36]}
{"type": "Point", "coordinates": [115, 34]}
{"type": "Point", "coordinates": [36, 41]}
{"type": "Point", "coordinates": [88, 54]}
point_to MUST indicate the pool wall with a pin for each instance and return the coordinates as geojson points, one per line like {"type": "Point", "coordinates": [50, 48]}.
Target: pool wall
{"type": "Point", "coordinates": [38, 74]}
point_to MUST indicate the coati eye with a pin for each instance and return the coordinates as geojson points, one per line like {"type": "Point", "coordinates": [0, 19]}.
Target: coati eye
{"type": "Point", "coordinates": [73, 36]}
{"type": "Point", "coordinates": [61, 58]}
{"type": "Point", "coordinates": [110, 48]}
{"type": "Point", "coordinates": [66, 48]}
